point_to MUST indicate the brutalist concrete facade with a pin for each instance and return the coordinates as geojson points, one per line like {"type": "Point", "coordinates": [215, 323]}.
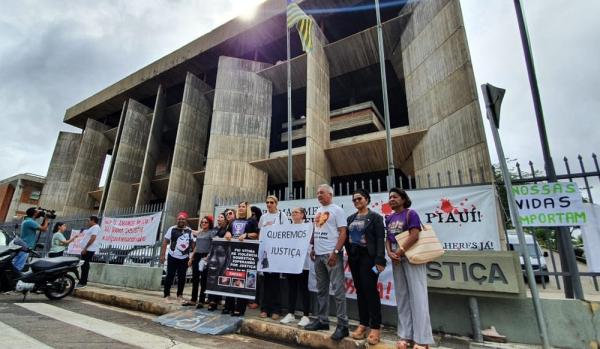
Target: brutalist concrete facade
{"type": "Point", "coordinates": [209, 120]}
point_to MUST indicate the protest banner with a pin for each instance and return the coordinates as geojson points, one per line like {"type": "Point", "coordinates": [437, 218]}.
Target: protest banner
{"type": "Point", "coordinates": [232, 268]}
{"type": "Point", "coordinates": [131, 231]}
{"type": "Point", "coordinates": [75, 246]}
{"type": "Point", "coordinates": [464, 218]}
{"type": "Point", "coordinates": [283, 248]}
{"type": "Point", "coordinates": [549, 204]}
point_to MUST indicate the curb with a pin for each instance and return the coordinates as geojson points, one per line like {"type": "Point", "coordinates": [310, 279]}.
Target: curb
{"type": "Point", "coordinates": [124, 302]}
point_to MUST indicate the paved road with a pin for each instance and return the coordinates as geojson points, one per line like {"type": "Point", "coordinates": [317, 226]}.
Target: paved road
{"type": "Point", "coordinates": [74, 323]}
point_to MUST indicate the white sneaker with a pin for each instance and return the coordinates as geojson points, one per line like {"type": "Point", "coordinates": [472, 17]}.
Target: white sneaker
{"type": "Point", "coordinates": [304, 321]}
{"type": "Point", "coordinates": [288, 318]}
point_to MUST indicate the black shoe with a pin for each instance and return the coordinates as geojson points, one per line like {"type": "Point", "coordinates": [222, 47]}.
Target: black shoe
{"type": "Point", "coordinates": [340, 333]}
{"type": "Point", "coordinates": [317, 325]}
{"type": "Point", "coordinates": [199, 306]}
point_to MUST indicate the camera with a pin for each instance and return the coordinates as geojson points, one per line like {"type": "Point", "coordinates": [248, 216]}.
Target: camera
{"type": "Point", "coordinates": [42, 212]}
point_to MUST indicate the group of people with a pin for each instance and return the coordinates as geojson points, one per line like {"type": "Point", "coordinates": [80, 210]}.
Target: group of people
{"type": "Point", "coordinates": [365, 235]}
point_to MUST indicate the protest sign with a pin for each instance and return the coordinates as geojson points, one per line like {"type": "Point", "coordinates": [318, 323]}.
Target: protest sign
{"type": "Point", "coordinates": [131, 231]}
{"type": "Point", "coordinates": [232, 268]}
{"type": "Point", "coordinates": [283, 248]}
{"type": "Point", "coordinates": [549, 205]}
{"type": "Point", "coordinates": [75, 246]}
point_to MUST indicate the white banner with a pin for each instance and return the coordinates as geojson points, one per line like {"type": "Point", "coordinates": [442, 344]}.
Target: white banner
{"type": "Point", "coordinates": [590, 232]}
{"type": "Point", "coordinates": [464, 218]}
{"type": "Point", "coordinates": [549, 205]}
{"type": "Point", "coordinates": [132, 231]}
{"type": "Point", "coordinates": [75, 246]}
{"type": "Point", "coordinates": [283, 248]}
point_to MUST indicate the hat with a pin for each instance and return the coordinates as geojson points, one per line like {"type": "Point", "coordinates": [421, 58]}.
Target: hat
{"type": "Point", "coordinates": [183, 215]}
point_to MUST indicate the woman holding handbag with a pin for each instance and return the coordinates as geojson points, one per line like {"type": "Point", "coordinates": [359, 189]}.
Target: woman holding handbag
{"type": "Point", "coordinates": [366, 257]}
{"type": "Point", "coordinates": [410, 280]}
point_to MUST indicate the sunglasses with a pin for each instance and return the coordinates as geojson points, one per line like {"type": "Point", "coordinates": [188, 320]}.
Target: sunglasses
{"type": "Point", "coordinates": [204, 222]}
{"type": "Point", "coordinates": [270, 202]}
{"type": "Point", "coordinates": [357, 199]}
{"type": "Point", "coordinates": [230, 213]}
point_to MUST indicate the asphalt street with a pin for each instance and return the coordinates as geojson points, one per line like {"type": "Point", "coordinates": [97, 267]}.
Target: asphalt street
{"type": "Point", "coordinates": [75, 323]}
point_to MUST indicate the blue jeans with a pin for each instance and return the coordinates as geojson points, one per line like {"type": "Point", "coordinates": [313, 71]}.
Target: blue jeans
{"type": "Point", "coordinates": [20, 260]}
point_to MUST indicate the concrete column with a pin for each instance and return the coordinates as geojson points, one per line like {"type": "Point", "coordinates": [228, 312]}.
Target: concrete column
{"type": "Point", "coordinates": [87, 170]}
{"type": "Point", "coordinates": [144, 194]}
{"type": "Point", "coordinates": [239, 133]}
{"type": "Point", "coordinates": [183, 193]}
{"type": "Point", "coordinates": [59, 172]}
{"type": "Point", "coordinates": [442, 95]}
{"type": "Point", "coordinates": [130, 157]}
{"type": "Point", "coordinates": [318, 169]}
{"type": "Point", "coordinates": [15, 202]}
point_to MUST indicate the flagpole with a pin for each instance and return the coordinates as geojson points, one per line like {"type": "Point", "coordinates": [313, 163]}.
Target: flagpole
{"type": "Point", "coordinates": [391, 180]}
{"type": "Point", "coordinates": [290, 192]}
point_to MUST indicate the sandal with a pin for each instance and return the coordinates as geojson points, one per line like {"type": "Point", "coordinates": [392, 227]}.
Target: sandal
{"type": "Point", "coordinates": [212, 306]}
{"type": "Point", "coordinates": [188, 303]}
{"type": "Point", "coordinates": [374, 337]}
{"type": "Point", "coordinates": [402, 344]}
{"type": "Point", "coordinates": [360, 332]}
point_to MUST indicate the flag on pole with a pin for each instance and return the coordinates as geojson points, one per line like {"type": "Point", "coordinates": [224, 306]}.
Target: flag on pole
{"type": "Point", "coordinates": [304, 24]}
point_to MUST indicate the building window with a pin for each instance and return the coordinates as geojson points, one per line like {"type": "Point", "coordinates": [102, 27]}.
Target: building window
{"type": "Point", "coordinates": [35, 195]}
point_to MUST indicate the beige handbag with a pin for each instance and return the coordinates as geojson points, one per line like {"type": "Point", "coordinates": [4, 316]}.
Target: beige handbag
{"type": "Point", "coordinates": [427, 248]}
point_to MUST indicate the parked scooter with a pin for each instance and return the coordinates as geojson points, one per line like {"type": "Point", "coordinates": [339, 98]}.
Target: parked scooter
{"type": "Point", "coordinates": [50, 276]}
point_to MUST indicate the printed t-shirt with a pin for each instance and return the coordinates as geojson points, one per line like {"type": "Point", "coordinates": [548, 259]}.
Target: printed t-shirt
{"type": "Point", "coordinates": [180, 240]}
{"type": "Point", "coordinates": [356, 231]}
{"type": "Point", "coordinates": [396, 223]}
{"type": "Point", "coordinates": [268, 219]}
{"type": "Point", "coordinates": [327, 221]}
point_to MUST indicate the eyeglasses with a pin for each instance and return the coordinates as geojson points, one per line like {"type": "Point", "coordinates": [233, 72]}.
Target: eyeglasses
{"type": "Point", "coordinates": [230, 213]}
{"type": "Point", "coordinates": [204, 222]}
{"type": "Point", "coordinates": [270, 202]}
{"type": "Point", "coordinates": [357, 199]}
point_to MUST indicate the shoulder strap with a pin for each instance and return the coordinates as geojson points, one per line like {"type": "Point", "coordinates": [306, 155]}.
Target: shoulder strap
{"type": "Point", "coordinates": [280, 221]}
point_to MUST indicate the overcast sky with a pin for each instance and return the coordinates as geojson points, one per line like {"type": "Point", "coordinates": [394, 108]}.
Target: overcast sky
{"type": "Point", "coordinates": [54, 54]}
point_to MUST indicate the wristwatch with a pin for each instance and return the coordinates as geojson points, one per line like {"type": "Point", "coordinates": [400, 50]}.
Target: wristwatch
{"type": "Point", "coordinates": [336, 251]}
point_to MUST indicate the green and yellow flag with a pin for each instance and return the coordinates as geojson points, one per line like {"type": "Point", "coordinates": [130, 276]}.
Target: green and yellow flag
{"type": "Point", "coordinates": [304, 24]}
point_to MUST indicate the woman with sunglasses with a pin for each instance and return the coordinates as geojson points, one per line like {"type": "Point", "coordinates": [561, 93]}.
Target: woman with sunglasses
{"type": "Point", "coordinates": [366, 257]}
{"type": "Point", "coordinates": [204, 237]}
{"type": "Point", "coordinates": [271, 302]}
{"type": "Point", "coordinates": [243, 227]}
{"type": "Point", "coordinates": [221, 229]}
{"type": "Point", "coordinates": [298, 283]}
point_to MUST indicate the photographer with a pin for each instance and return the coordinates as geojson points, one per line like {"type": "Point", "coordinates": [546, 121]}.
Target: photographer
{"type": "Point", "coordinates": [29, 230]}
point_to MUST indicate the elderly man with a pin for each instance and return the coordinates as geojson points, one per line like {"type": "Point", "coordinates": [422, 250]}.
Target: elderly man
{"type": "Point", "coordinates": [328, 238]}
{"type": "Point", "coordinates": [180, 240]}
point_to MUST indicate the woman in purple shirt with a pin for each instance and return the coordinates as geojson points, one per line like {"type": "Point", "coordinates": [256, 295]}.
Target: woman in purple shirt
{"type": "Point", "coordinates": [410, 280]}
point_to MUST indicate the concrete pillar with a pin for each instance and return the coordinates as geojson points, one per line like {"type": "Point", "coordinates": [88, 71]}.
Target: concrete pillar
{"type": "Point", "coordinates": [318, 169]}
{"type": "Point", "coordinates": [144, 194]}
{"type": "Point", "coordinates": [87, 170]}
{"type": "Point", "coordinates": [16, 201]}
{"type": "Point", "coordinates": [239, 133]}
{"type": "Point", "coordinates": [129, 158]}
{"type": "Point", "coordinates": [442, 95]}
{"type": "Point", "coordinates": [59, 172]}
{"type": "Point", "coordinates": [183, 193]}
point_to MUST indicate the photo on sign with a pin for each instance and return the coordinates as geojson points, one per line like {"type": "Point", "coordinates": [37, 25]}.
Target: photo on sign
{"type": "Point", "coordinates": [251, 280]}
{"type": "Point", "coordinates": [224, 281]}
{"type": "Point", "coordinates": [239, 283]}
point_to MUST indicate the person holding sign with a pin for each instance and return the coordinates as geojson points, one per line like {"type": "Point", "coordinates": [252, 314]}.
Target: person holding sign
{"type": "Point", "coordinates": [59, 242]}
{"type": "Point", "coordinates": [410, 280]}
{"type": "Point", "coordinates": [243, 227]}
{"type": "Point", "coordinates": [366, 257]}
{"type": "Point", "coordinates": [180, 240]}
{"type": "Point", "coordinates": [298, 282]}
{"type": "Point", "coordinates": [221, 229]}
{"type": "Point", "coordinates": [271, 304]}
{"type": "Point", "coordinates": [329, 236]}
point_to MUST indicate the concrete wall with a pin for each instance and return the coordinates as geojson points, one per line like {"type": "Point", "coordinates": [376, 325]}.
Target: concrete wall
{"type": "Point", "coordinates": [318, 169]}
{"type": "Point", "coordinates": [442, 95]}
{"type": "Point", "coordinates": [183, 193]}
{"type": "Point", "coordinates": [239, 133]}
{"type": "Point", "coordinates": [130, 157]}
{"type": "Point", "coordinates": [59, 172]}
{"type": "Point", "coordinates": [146, 278]}
{"type": "Point", "coordinates": [87, 170]}
{"type": "Point", "coordinates": [144, 194]}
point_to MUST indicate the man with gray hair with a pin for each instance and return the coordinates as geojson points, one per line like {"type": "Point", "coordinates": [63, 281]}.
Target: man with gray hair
{"type": "Point", "coordinates": [328, 238]}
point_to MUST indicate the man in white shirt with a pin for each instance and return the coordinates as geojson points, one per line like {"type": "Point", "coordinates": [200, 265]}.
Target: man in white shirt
{"type": "Point", "coordinates": [329, 237]}
{"type": "Point", "coordinates": [90, 247]}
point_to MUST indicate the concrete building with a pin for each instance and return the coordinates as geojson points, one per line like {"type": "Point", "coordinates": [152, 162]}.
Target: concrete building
{"type": "Point", "coordinates": [210, 119]}
{"type": "Point", "coordinates": [17, 194]}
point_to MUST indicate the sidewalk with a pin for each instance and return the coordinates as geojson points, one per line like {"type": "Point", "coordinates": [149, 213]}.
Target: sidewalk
{"type": "Point", "coordinates": [152, 302]}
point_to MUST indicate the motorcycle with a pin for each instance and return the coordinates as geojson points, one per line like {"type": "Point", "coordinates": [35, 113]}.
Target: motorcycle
{"type": "Point", "coordinates": [50, 276]}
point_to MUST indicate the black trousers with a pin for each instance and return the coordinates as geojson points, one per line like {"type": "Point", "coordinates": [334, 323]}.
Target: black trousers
{"type": "Point", "coordinates": [271, 302]}
{"type": "Point", "coordinates": [85, 268]}
{"type": "Point", "coordinates": [56, 254]}
{"type": "Point", "coordinates": [199, 277]}
{"type": "Point", "coordinates": [178, 266]}
{"type": "Point", "coordinates": [365, 282]}
{"type": "Point", "coordinates": [237, 305]}
{"type": "Point", "coordinates": [298, 283]}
